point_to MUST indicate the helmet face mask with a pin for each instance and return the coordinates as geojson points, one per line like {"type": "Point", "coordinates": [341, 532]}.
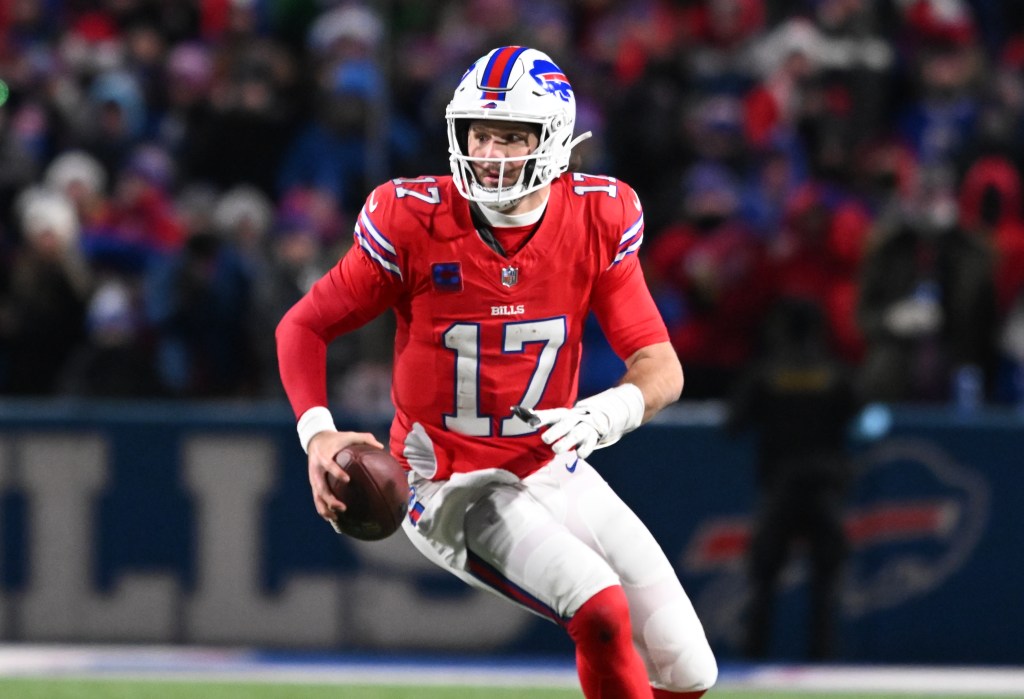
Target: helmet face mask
{"type": "Point", "coordinates": [521, 85]}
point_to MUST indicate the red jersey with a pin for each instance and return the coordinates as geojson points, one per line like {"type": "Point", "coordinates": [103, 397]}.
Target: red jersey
{"type": "Point", "coordinates": [477, 332]}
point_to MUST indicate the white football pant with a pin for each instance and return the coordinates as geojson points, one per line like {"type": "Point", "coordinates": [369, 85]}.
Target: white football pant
{"type": "Point", "coordinates": [550, 542]}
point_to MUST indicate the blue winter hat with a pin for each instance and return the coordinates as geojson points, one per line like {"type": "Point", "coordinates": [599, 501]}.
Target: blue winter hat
{"type": "Point", "coordinates": [121, 89]}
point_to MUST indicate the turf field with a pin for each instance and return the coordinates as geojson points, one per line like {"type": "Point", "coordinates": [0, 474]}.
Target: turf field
{"type": "Point", "coordinates": [113, 689]}
{"type": "Point", "coordinates": [180, 672]}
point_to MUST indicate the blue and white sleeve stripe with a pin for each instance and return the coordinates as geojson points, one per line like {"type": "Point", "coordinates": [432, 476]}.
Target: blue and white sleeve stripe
{"type": "Point", "coordinates": [376, 244]}
{"type": "Point", "coordinates": [630, 241]}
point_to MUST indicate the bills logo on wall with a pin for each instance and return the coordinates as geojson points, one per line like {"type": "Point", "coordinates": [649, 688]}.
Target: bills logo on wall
{"type": "Point", "coordinates": [915, 517]}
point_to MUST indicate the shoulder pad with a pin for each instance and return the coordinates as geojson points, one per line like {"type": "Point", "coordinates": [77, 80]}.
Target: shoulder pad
{"type": "Point", "coordinates": [616, 206]}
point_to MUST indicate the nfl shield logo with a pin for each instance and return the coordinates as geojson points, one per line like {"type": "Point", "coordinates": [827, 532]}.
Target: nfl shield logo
{"type": "Point", "coordinates": [509, 276]}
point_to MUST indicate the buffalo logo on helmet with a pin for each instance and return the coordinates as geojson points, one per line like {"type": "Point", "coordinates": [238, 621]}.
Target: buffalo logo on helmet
{"type": "Point", "coordinates": [552, 79]}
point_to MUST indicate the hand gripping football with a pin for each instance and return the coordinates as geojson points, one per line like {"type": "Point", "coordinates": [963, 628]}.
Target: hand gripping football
{"type": "Point", "coordinates": [376, 496]}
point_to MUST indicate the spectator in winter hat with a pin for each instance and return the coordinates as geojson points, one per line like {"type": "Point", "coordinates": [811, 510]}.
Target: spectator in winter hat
{"type": "Point", "coordinates": [716, 266]}
{"type": "Point", "coordinates": [115, 120]}
{"type": "Point", "coordinates": [927, 303]}
{"type": "Point", "coordinates": [347, 31]}
{"type": "Point", "coordinates": [181, 126]}
{"type": "Point", "coordinates": [141, 221]}
{"type": "Point", "coordinates": [75, 172]}
{"type": "Point", "coordinates": [42, 304]}
{"type": "Point", "coordinates": [245, 215]}
{"type": "Point", "coordinates": [48, 220]}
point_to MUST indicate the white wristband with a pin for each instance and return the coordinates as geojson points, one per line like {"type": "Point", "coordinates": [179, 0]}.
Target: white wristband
{"type": "Point", "coordinates": [313, 421]}
{"type": "Point", "coordinates": [633, 400]}
{"type": "Point", "coordinates": [623, 406]}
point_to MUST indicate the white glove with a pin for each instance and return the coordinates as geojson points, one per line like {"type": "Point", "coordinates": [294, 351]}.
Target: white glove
{"type": "Point", "coordinates": [593, 422]}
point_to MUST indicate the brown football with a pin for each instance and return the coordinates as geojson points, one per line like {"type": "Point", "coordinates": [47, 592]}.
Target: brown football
{"type": "Point", "coordinates": [375, 497]}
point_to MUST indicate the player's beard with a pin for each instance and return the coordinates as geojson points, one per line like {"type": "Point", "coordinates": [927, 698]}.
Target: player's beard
{"type": "Point", "coordinates": [486, 179]}
{"type": "Point", "coordinates": [486, 174]}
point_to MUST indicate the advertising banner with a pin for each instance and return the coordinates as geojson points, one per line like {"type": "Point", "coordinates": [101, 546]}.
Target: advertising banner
{"type": "Point", "coordinates": [193, 524]}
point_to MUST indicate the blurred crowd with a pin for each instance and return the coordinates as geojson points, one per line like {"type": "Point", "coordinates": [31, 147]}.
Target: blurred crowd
{"type": "Point", "coordinates": [174, 174]}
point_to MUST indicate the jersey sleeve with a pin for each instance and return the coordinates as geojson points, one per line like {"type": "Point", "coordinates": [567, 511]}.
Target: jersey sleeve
{"type": "Point", "coordinates": [364, 283]}
{"type": "Point", "coordinates": [373, 230]}
{"type": "Point", "coordinates": [627, 219]}
{"type": "Point", "coordinates": [621, 301]}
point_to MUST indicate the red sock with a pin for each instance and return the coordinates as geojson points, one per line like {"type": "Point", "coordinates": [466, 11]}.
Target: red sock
{"type": "Point", "coordinates": [665, 694]}
{"type": "Point", "coordinates": [608, 665]}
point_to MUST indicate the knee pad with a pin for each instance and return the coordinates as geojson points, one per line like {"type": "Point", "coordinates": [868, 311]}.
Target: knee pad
{"type": "Point", "coordinates": [670, 638]}
{"type": "Point", "coordinates": [681, 657]}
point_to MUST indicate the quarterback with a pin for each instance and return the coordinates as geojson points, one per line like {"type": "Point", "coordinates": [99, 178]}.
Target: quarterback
{"type": "Point", "coordinates": [491, 273]}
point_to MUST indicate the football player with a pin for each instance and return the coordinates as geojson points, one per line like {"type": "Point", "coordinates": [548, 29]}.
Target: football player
{"type": "Point", "coordinates": [491, 273]}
